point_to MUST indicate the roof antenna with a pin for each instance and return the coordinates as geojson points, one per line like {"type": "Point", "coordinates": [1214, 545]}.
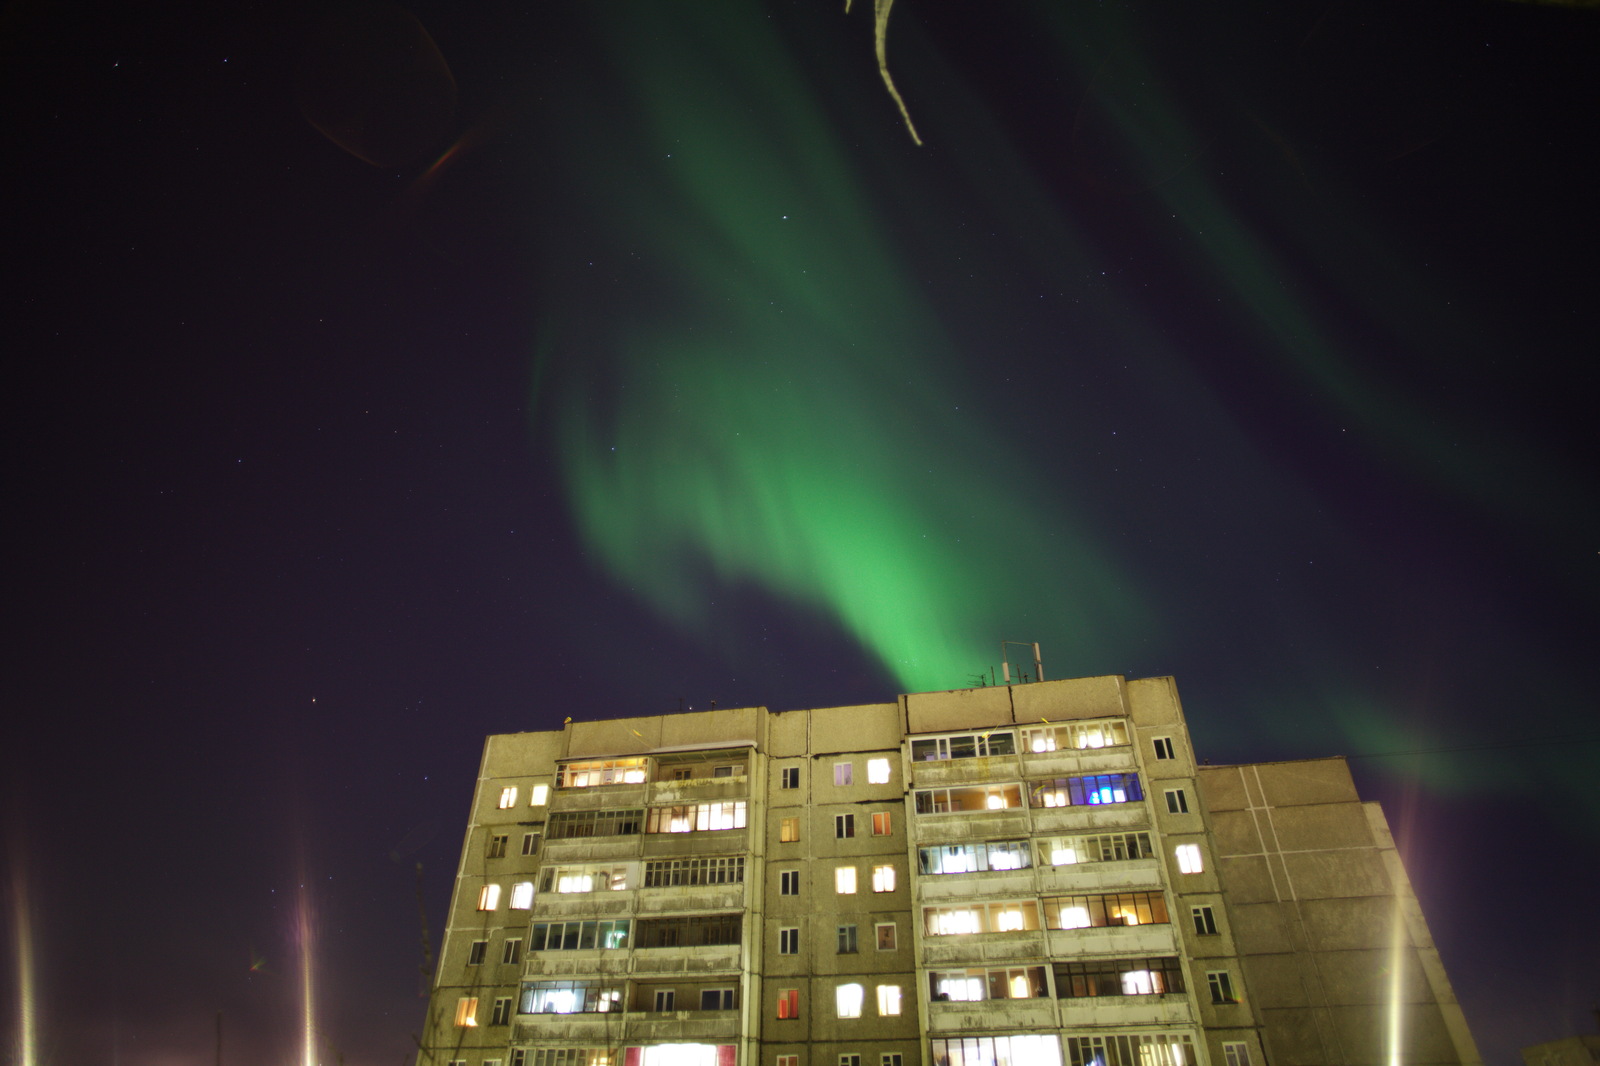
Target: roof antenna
{"type": "Point", "coordinates": [1005, 664]}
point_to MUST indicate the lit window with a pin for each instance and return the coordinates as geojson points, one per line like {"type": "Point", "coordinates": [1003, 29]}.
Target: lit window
{"type": "Point", "coordinates": [511, 953]}
{"type": "Point", "coordinates": [844, 826]}
{"type": "Point", "coordinates": [1177, 802]}
{"type": "Point", "coordinates": [886, 935]}
{"type": "Point", "coordinates": [522, 895]}
{"type": "Point", "coordinates": [467, 1011]}
{"type": "Point", "coordinates": [1034, 1050]}
{"type": "Point", "coordinates": [1088, 790]}
{"type": "Point", "coordinates": [1163, 746]}
{"type": "Point", "coordinates": [488, 897]}
{"type": "Point", "coordinates": [1205, 921]}
{"type": "Point", "coordinates": [789, 1003]}
{"type": "Point", "coordinates": [508, 797]}
{"type": "Point", "coordinates": [882, 823]}
{"type": "Point", "coordinates": [1236, 1054]}
{"type": "Point", "coordinates": [847, 940]}
{"type": "Point", "coordinates": [844, 880]}
{"type": "Point", "coordinates": [968, 799]}
{"type": "Point", "coordinates": [476, 953]}
{"type": "Point", "coordinates": [1221, 984]}
{"type": "Point", "coordinates": [502, 1012]}
{"type": "Point", "coordinates": [789, 883]}
{"type": "Point", "coordinates": [888, 1000]}
{"type": "Point", "coordinates": [538, 795]}
{"type": "Point", "coordinates": [1189, 861]}
{"type": "Point", "coordinates": [789, 830]}
{"type": "Point", "coordinates": [788, 1060]}
{"type": "Point", "coordinates": [847, 1000]}
{"type": "Point", "coordinates": [497, 846]}
{"type": "Point", "coordinates": [878, 771]}
{"type": "Point", "coordinates": [843, 772]}
{"type": "Point", "coordinates": [789, 941]}
{"type": "Point", "coordinates": [789, 777]}
{"type": "Point", "coordinates": [883, 878]}
{"type": "Point", "coordinates": [602, 772]}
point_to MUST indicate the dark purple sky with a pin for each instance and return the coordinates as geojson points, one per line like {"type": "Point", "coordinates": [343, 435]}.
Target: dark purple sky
{"type": "Point", "coordinates": [1281, 324]}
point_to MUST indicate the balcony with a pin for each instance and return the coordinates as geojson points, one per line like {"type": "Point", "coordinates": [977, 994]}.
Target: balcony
{"type": "Point", "coordinates": [976, 949]}
{"type": "Point", "coordinates": [698, 790]}
{"type": "Point", "coordinates": [1084, 878]}
{"type": "Point", "coordinates": [575, 850]}
{"type": "Point", "coordinates": [1075, 761]}
{"type": "Point", "coordinates": [596, 797]}
{"type": "Point", "coordinates": [678, 899]}
{"type": "Point", "coordinates": [1129, 940]}
{"type": "Point", "coordinates": [681, 1025]}
{"type": "Point", "coordinates": [1091, 818]}
{"type": "Point", "coordinates": [603, 904]}
{"type": "Point", "coordinates": [1016, 1015]}
{"type": "Point", "coordinates": [981, 769]}
{"type": "Point", "coordinates": [994, 884]}
{"type": "Point", "coordinates": [1174, 1008]}
{"type": "Point", "coordinates": [721, 958]}
{"type": "Point", "coordinates": [959, 828]}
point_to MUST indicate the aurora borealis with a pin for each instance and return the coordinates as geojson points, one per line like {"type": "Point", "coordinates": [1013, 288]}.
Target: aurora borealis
{"type": "Point", "coordinates": [1250, 345]}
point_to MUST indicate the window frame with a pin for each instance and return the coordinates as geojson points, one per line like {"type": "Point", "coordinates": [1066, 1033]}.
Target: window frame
{"type": "Point", "coordinates": [893, 938]}
{"type": "Point", "coordinates": [879, 771]}
{"type": "Point", "coordinates": [844, 826]}
{"type": "Point", "coordinates": [1220, 983]}
{"type": "Point", "coordinates": [788, 777]}
{"type": "Point", "coordinates": [882, 823]}
{"type": "Point", "coordinates": [788, 1004]}
{"type": "Point", "coordinates": [845, 880]}
{"type": "Point", "coordinates": [788, 882]}
{"type": "Point", "coordinates": [843, 995]}
{"type": "Point", "coordinates": [1204, 918]}
{"type": "Point", "coordinates": [788, 940]}
{"type": "Point", "coordinates": [848, 943]}
{"type": "Point", "coordinates": [844, 774]}
{"type": "Point", "coordinates": [884, 877]}
{"type": "Point", "coordinates": [1162, 746]}
{"type": "Point", "coordinates": [1177, 801]}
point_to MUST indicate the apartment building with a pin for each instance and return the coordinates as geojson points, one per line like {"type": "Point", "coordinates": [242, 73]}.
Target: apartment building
{"type": "Point", "coordinates": [1022, 875]}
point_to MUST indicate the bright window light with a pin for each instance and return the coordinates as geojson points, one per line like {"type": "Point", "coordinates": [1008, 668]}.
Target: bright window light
{"type": "Point", "coordinates": [1074, 917]}
{"type": "Point", "coordinates": [488, 897]}
{"type": "Point", "coordinates": [1189, 861]}
{"type": "Point", "coordinates": [848, 1000]}
{"type": "Point", "coordinates": [508, 797]}
{"type": "Point", "coordinates": [539, 795]}
{"type": "Point", "coordinates": [1008, 921]}
{"type": "Point", "coordinates": [467, 1011]}
{"type": "Point", "coordinates": [844, 880]}
{"type": "Point", "coordinates": [878, 771]}
{"type": "Point", "coordinates": [888, 1000]}
{"type": "Point", "coordinates": [883, 878]}
{"type": "Point", "coordinates": [522, 896]}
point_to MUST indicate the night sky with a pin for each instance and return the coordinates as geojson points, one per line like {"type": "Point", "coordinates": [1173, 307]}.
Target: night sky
{"type": "Point", "coordinates": [380, 380]}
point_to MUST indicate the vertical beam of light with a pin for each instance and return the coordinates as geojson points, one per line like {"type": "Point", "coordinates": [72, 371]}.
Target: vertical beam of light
{"type": "Point", "coordinates": [305, 943]}
{"type": "Point", "coordinates": [27, 1048]}
{"type": "Point", "coordinates": [1397, 962]}
{"type": "Point", "coordinates": [779, 407]}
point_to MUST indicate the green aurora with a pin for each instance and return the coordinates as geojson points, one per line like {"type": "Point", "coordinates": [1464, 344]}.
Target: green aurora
{"type": "Point", "coordinates": [791, 416]}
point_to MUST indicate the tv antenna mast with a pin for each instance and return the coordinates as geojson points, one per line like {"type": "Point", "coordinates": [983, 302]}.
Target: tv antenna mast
{"type": "Point", "coordinates": [1005, 664]}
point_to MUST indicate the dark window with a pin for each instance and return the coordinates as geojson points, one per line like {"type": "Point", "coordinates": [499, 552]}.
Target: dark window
{"type": "Point", "coordinates": [789, 777]}
{"type": "Point", "coordinates": [847, 940]}
{"type": "Point", "coordinates": [689, 932]}
{"type": "Point", "coordinates": [1205, 921]}
{"type": "Point", "coordinates": [716, 999]}
{"type": "Point", "coordinates": [570, 825]}
{"type": "Point", "coordinates": [502, 1012]}
{"type": "Point", "coordinates": [1221, 987]}
{"type": "Point", "coordinates": [789, 883]}
{"type": "Point", "coordinates": [497, 847]}
{"type": "Point", "coordinates": [844, 825]}
{"type": "Point", "coordinates": [1163, 746]}
{"type": "Point", "coordinates": [789, 941]}
{"type": "Point", "coordinates": [1177, 802]}
{"type": "Point", "coordinates": [475, 955]}
{"type": "Point", "coordinates": [511, 953]}
{"type": "Point", "coordinates": [530, 843]}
